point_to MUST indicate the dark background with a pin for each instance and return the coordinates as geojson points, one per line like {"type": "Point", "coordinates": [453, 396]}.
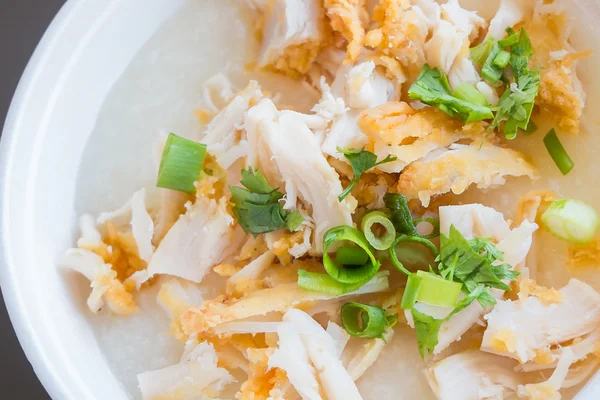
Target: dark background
{"type": "Point", "coordinates": [22, 24]}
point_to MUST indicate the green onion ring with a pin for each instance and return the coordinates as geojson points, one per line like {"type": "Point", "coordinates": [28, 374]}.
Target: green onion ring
{"type": "Point", "coordinates": [351, 256]}
{"type": "Point", "coordinates": [377, 217]}
{"type": "Point", "coordinates": [435, 222]}
{"type": "Point", "coordinates": [363, 321]}
{"type": "Point", "coordinates": [181, 164]}
{"type": "Point", "coordinates": [558, 153]}
{"type": "Point", "coordinates": [355, 274]}
{"type": "Point", "coordinates": [416, 239]}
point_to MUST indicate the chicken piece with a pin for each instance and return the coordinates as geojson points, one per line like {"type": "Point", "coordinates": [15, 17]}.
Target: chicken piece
{"type": "Point", "coordinates": [459, 167]}
{"type": "Point", "coordinates": [106, 288]}
{"type": "Point", "coordinates": [197, 374]}
{"type": "Point", "coordinates": [247, 279]}
{"type": "Point", "coordinates": [476, 220]}
{"type": "Point", "coordinates": [264, 382]}
{"type": "Point", "coordinates": [467, 22]}
{"type": "Point", "coordinates": [444, 46]}
{"type": "Point", "coordinates": [549, 389]}
{"type": "Point", "coordinates": [127, 239]}
{"type": "Point", "coordinates": [561, 97]}
{"type": "Point", "coordinates": [368, 354]}
{"type": "Point", "coordinates": [585, 348]}
{"type": "Point", "coordinates": [397, 129]}
{"type": "Point", "coordinates": [509, 14]}
{"type": "Point", "coordinates": [288, 153]}
{"type": "Point", "coordinates": [293, 33]}
{"type": "Point", "coordinates": [473, 375]}
{"type": "Point", "coordinates": [336, 383]}
{"type": "Point", "coordinates": [346, 17]}
{"type": "Point", "coordinates": [277, 299]}
{"type": "Point", "coordinates": [175, 298]}
{"type": "Point", "coordinates": [171, 206]}
{"type": "Point", "coordinates": [292, 357]}
{"type": "Point", "coordinates": [360, 87]}
{"type": "Point", "coordinates": [519, 329]}
{"type": "Point", "coordinates": [222, 136]}
{"type": "Point", "coordinates": [401, 30]}
{"type": "Point", "coordinates": [204, 236]}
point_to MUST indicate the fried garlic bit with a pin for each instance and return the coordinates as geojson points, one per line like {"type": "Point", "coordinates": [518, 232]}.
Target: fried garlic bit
{"type": "Point", "coordinates": [263, 383]}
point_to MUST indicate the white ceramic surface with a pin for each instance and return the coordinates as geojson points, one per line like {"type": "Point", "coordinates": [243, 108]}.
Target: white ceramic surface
{"type": "Point", "coordinates": [85, 50]}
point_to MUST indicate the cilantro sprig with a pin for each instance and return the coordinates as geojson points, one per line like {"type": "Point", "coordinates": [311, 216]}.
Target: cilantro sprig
{"type": "Point", "coordinates": [432, 87]}
{"type": "Point", "coordinates": [477, 265]}
{"type": "Point", "coordinates": [257, 207]}
{"type": "Point", "coordinates": [361, 161]}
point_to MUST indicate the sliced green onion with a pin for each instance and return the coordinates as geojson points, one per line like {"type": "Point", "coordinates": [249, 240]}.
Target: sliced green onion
{"type": "Point", "coordinates": [382, 242]}
{"type": "Point", "coordinates": [323, 283]}
{"type": "Point", "coordinates": [531, 128]}
{"type": "Point", "coordinates": [434, 222]}
{"type": "Point", "coordinates": [501, 60]}
{"type": "Point", "coordinates": [411, 291]}
{"type": "Point", "coordinates": [468, 92]}
{"type": "Point", "coordinates": [181, 164]}
{"type": "Point", "coordinates": [558, 153]}
{"type": "Point", "coordinates": [410, 239]}
{"type": "Point", "coordinates": [363, 321]}
{"type": "Point", "coordinates": [571, 220]}
{"type": "Point", "coordinates": [400, 214]}
{"type": "Point", "coordinates": [512, 38]}
{"type": "Point", "coordinates": [352, 274]}
{"type": "Point", "coordinates": [351, 256]}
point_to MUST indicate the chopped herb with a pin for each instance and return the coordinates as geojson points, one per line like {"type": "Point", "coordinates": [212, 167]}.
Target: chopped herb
{"type": "Point", "coordinates": [181, 164]}
{"type": "Point", "coordinates": [480, 52]}
{"type": "Point", "coordinates": [432, 87]}
{"type": "Point", "coordinates": [361, 161]}
{"type": "Point", "coordinates": [518, 99]}
{"type": "Point", "coordinates": [490, 71]}
{"type": "Point", "coordinates": [257, 207]}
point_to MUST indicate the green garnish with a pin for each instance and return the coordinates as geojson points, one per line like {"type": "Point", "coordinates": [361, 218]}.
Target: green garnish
{"type": "Point", "coordinates": [383, 241]}
{"type": "Point", "coordinates": [365, 321]}
{"type": "Point", "coordinates": [468, 92]}
{"type": "Point", "coordinates": [429, 288]}
{"type": "Point", "coordinates": [517, 101]}
{"type": "Point", "coordinates": [393, 252]}
{"type": "Point", "coordinates": [351, 256]}
{"type": "Point", "coordinates": [323, 283]}
{"type": "Point", "coordinates": [490, 71]}
{"type": "Point", "coordinates": [400, 213]}
{"type": "Point", "coordinates": [181, 164]}
{"type": "Point", "coordinates": [501, 60]}
{"type": "Point", "coordinates": [352, 274]}
{"type": "Point", "coordinates": [434, 222]}
{"type": "Point", "coordinates": [558, 153]}
{"type": "Point", "coordinates": [361, 161]}
{"type": "Point", "coordinates": [257, 207]}
{"type": "Point", "coordinates": [480, 52]}
{"type": "Point", "coordinates": [428, 328]}
{"type": "Point", "coordinates": [472, 263]}
{"type": "Point", "coordinates": [432, 87]}
{"type": "Point", "coordinates": [571, 220]}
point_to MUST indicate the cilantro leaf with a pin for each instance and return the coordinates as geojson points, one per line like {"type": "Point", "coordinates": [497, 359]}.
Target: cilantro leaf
{"type": "Point", "coordinates": [361, 161]}
{"type": "Point", "coordinates": [427, 329]}
{"type": "Point", "coordinates": [400, 214]}
{"type": "Point", "coordinates": [432, 87]}
{"type": "Point", "coordinates": [518, 99]}
{"type": "Point", "coordinates": [480, 52]}
{"type": "Point", "coordinates": [489, 70]}
{"type": "Point", "coordinates": [473, 263]}
{"type": "Point", "coordinates": [257, 207]}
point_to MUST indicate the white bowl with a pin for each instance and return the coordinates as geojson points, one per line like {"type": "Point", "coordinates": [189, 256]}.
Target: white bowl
{"type": "Point", "coordinates": [53, 114]}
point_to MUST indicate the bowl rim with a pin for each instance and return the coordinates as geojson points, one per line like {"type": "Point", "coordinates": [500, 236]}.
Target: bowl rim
{"type": "Point", "coordinates": [28, 337]}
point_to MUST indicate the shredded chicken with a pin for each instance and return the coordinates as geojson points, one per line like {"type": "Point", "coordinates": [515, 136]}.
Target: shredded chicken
{"type": "Point", "coordinates": [518, 328]}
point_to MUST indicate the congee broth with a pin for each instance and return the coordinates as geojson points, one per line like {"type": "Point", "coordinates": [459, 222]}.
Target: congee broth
{"type": "Point", "coordinates": [348, 199]}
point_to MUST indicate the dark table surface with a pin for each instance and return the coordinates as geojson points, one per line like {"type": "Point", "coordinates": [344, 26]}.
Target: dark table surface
{"type": "Point", "coordinates": [22, 23]}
